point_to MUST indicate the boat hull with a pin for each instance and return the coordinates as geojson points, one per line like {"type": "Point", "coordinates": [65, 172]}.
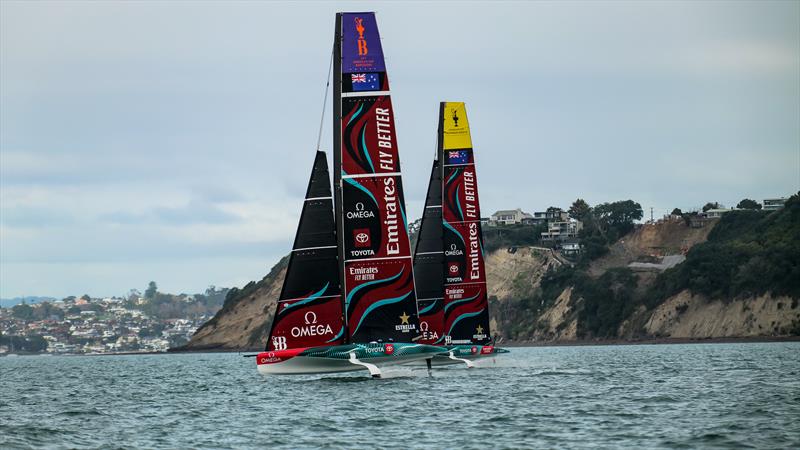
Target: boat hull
{"type": "Point", "coordinates": [342, 358]}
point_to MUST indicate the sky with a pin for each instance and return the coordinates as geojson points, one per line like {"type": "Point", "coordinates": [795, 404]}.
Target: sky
{"type": "Point", "coordinates": [172, 141]}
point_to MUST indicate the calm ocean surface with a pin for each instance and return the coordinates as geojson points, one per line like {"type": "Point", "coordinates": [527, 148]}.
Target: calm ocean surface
{"type": "Point", "coordinates": [666, 396]}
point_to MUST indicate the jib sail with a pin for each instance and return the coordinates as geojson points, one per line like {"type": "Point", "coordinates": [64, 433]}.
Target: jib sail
{"type": "Point", "coordinates": [466, 312]}
{"type": "Point", "coordinates": [377, 273]}
{"type": "Point", "coordinates": [429, 263]}
{"type": "Point", "coordinates": [309, 310]}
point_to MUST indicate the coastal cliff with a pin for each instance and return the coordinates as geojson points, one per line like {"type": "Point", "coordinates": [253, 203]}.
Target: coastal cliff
{"type": "Point", "coordinates": [735, 277]}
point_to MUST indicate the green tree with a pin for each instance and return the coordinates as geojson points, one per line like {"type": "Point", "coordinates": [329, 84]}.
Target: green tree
{"type": "Point", "coordinates": [677, 212]}
{"type": "Point", "coordinates": [618, 217]}
{"type": "Point", "coordinates": [748, 204]}
{"type": "Point", "coordinates": [579, 209]}
{"type": "Point", "coordinates": [23, 311]}
{"type": "Point", "coordinates": [711, 205]}
{"type": "Point", "coordinates": [151, 290]}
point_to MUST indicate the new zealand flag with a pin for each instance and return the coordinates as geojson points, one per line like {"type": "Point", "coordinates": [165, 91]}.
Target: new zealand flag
{"type": "Point", "coordinates": [365, 81]}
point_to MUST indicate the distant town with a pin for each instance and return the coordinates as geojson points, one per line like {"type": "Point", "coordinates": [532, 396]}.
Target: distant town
{"type": "Point", "coordinates": [152, 322]}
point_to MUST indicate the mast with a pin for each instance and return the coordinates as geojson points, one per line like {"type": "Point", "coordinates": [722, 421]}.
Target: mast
{"type": "Point", "coordinates": [308, 312]}
{"type": "Point", "coordinates": [374, 250]}
{"type": "Point", "coordinates": [337, 156]}
{"type": "Point", "coordinates": [466, 309]}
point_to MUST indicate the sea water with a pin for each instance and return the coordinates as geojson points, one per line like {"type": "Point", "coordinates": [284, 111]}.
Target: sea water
{"type": "Point", "coordinates": [634, 396]}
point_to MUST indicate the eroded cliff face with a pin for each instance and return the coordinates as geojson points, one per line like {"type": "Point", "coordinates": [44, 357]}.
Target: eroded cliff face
{"type": "Point", "coordinates": [693, 316]}
{"type": "Point", "coordinates": [243, 325]}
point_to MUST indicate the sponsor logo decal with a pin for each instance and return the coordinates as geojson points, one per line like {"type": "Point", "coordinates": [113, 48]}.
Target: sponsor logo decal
{"type": "Point", "coordinates": [269, 358]}
{"type": "Point", "coordinates": [363, 273]}
{"type": "Point", "coordinates": [392, 227]}
{"type": "Point", "coordinates": [453, 271]}
{"type": "Point", "coordinates": [404, 326]}
{"type": "Point", "coordinates": [360, 213]}
{"type": "Point", "coordinates": [473, 350]}
{"type": "Point", "coordinates": [311, 328]}
{"type": "Point", "coordinates": [426, 333]}
{"type": "Point", "coordinates": [361, 238]}
{"type": "Point", "coordinates": [454, 293]}
{"type": "Point", "coordinates": [474, 252]}
{"type": "Point", "coordinates": [279, 342]}
{"type": "Point", "coordinates": [455, 117]}
{"type": "Point", "coordinates": [362, 43]}
{"type": "Point", "coordinates": [479, 333]}
{"type": "Point", "coordinates": [487, 349]}
{"type": "Point", "coordinates": [388, 348]}
{"type": "Point", "coordinates": [453, 268]}
{"type": "Point", "coordinates": [454, 251]}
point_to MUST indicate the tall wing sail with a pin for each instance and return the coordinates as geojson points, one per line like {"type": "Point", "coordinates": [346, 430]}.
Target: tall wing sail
{"type": "Point", "coordinates": [377, 274]}
{"type": "Point", "coordinates": [466, 311]}
{"type": "Point", "coordinates": [429, 263]}
{"type": "Point", "coordinates": [309, 310]}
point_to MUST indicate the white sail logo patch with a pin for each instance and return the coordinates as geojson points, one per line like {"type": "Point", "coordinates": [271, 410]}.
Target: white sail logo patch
{"type": "Point", "coordinates": [454, 251]}
{"type": "Point", "coordinates": [360, 213]}
{"type": "Point", "coordinates": [311, 328]}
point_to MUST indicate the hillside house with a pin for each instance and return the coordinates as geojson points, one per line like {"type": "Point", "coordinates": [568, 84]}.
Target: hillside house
{"type": "Point", "coordinates": [772, 204]}
{"type": "Point", "coordinates": [562, 231]}
{"type": "Point", "coordinates": [510, 217]}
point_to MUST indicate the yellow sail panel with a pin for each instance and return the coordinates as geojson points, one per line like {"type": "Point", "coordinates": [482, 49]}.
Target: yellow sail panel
{"type": "Point", "coordinates": [456, 126]}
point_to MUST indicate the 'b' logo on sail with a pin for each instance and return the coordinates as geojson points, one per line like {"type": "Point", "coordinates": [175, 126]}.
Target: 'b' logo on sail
{"type": "Point", "coordinates": [362, 43]}
{"type": "Point", "coordinates": [279, 342]}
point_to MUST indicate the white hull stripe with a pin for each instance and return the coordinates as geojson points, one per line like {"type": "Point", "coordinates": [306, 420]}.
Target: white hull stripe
{"type": "Point", "coordinates": [432, 298]}
{"type": "Point", "coordinates": [428, 253]}
{"type": "Point", "coordinates": [365, 93]}
{"type": "Point", "coordinates": [318, 198]}
{"type": "Point", "coordinates": [434, 206]}
{"type": "Point", "coordinates": [371, 175]}
{"type": "Point", "coordinates": [312, 248]}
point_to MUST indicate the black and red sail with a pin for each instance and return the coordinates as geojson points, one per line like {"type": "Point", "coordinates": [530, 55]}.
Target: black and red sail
{"type": "Point", "coordinates": [449, 265]}
{"type": "Point", "coordinates": [309, 310]}
{"type": "Point", "coordinates": [377, 274]}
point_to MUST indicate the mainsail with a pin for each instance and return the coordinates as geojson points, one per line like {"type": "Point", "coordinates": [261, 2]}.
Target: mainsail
{"type": "Point", "coordinates": [429, 263]}
{"type": "Point", "coordinates": [462, 316]}
{"type": "Point", "coordinates": [309, 310]}
{"type": "Point", "coordinates": [377, 273]}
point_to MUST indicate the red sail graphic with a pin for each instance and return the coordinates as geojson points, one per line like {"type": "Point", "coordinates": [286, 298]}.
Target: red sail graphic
{"type": "Point", "coordinates": [377, 274]}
